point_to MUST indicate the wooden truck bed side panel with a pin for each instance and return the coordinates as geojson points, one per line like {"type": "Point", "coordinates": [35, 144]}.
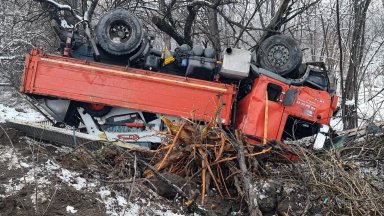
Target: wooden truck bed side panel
{"type": "Point", "coordinates": [78, 80]}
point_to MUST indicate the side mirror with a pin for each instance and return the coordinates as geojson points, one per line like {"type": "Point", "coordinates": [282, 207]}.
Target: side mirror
{"type": "Point", "coordinates": [290, 97]}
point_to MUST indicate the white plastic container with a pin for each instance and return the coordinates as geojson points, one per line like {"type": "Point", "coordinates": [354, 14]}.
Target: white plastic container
{"type": "Point", "coordinates": [236, 63]}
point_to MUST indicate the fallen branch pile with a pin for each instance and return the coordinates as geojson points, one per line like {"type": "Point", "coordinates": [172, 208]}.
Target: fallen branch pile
{"type": "Point", "coordinates": [221, 165]}
{"type": "Point", "coordinates": [207, 155]}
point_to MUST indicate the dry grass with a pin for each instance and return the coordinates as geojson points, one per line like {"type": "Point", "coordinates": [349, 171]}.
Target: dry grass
{"type": "Point", "coordinates": [347, 180]}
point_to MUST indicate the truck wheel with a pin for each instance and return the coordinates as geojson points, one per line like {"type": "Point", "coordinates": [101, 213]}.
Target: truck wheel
{"type": "Point", "coordinates": [119, 32]}
{"type": "Point", "coordinates": [279, 54]}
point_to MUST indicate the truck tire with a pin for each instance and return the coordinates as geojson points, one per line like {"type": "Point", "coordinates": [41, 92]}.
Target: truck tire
{"type": "Point", "coordinates": [280, 54]}
{"type": "Point", "coordinates": [119, 32]}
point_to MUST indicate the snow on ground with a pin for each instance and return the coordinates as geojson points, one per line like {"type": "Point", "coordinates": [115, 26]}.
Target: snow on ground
{"type": "Point", "coordinates": [20, 172]}
{"type": "Point", "coordinates": [71, 209]}
{"type": "Point", "coordinates": [21, 114]}
{"type": "Point", "coordinates": [370, 104]}
{"type": "Point", "coordinates": [43, 176]}
{"type": "Point", "coordinates": [337, 123]}
{"type": "Point", "coordinates": [39, 174]}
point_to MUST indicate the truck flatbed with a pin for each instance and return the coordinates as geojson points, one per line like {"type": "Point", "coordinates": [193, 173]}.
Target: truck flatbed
{"type": "Point", "coordinates": [91, 82]}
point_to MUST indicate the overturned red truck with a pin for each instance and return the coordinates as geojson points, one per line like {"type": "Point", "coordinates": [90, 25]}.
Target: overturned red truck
{"type": "Point", "coordinates": [117, 87]}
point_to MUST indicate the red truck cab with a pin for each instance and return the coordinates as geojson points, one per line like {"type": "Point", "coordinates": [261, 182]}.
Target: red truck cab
{"type": "Point", "coordinates": [302, 116]}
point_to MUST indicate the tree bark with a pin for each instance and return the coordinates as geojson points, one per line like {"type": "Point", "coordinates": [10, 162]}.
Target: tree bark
{"type": "Point", "coordinates": [341, 72]}
{"type": "Point", "coordinates": [171, 31]}
{"type": "Point", "coordinates": [214, 34]}
{"type": "Point", "coordinates": [357, 47]}
{"type": "Point", "coordinates": [249, 190]}
{"type": "Point", "coordinates": [166, 38]}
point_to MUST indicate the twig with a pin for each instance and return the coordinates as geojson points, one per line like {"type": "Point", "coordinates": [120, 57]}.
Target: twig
{"type": "Point", "coordinates": [133, 183]}
{"type": "Point", "coordinates": [175, 141]}
{"type": "Point", "coordinates": [218, 156]}
{"type": "Point", "coordinates": [204, 156]}
{"type": "Point", "coordinates": [250, 194]}
{"type": "Point", "coordinates": [134, 178]}
{"type": "Point", "coordinates": [264, 151]}
{"type": "Point", "coordinates": [50, 201]}
{"type": "Point", "coordinates": [203, 180]}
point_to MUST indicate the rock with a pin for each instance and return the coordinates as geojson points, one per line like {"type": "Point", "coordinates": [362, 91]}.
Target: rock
{"type": "Point", "coordinates": [20, 110]}
{"type": "Point", "coordinates": [269, 191]}
{"type": "Point", "coordinates": [294, 200]}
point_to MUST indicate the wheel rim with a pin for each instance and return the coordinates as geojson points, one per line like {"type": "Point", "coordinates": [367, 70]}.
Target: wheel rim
{"type": "Point", "coordinates": [119, 32]}
{"type": "Point", "coordinates": [278, 55]}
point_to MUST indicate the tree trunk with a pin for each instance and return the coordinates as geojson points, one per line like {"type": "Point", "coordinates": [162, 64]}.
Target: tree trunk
{"type": "Point", "coordinates": [341, 72]}
{"type": "Point", "coordinates": [214, 34]}
{"type": "Point", "coordinates": [273, 7]}
{"type": "Point", "coordinates": [357, 47]}
{"type": "Point", "coordinates": [275, 23]}
{"type": "Point", "coordinates": [166, 38]}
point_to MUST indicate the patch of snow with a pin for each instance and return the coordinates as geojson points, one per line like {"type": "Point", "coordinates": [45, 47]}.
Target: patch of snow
{"type": "Point", "coordinates": [143, 201]}
{"type": "Point", "coordinates": [350, 102]}
{"type": "Point", "coordinates": [91, 185]}
{"type": "Point", "coordinates": [72, 178]}
{"type": "Point", "coordinates": [12, 187]}
{"type": "Point", "coordinates": [30, 177]}
{"type": "Point", "coordinates": [40, 174]}
{"type": "Point", "coordinates": [9, 156]}
{"type": "Point", "coordinates": [262, 196]}
{"type": "Point", "coordinates": [104, 192]}
{"type": "Point", "coordinates": [66, 175]}
{"type": "Point", "coordinates": [118, 205]}
{"type": "Point", "coordinates": [80, 183]}
{"type": "Point", "coordinates": [289, 190]}
{"type": "Point", "coordinates": [40, 196]}
{"type": "Point", "coordinates": [121, 201]}
{"type": "Point", "coordinates": [111, 204]}
{"type": "Point", "coordinates": [337, 123]}
{"type": "Point", "coordinates": [71, 209]}
{"type": "Point", "coordinates": [64, 24]}
{"type": "Point", "coordinates": [266, 185]}
{"type": "Point", "coordinates": [51, 166]}
{"type": "Point", "coordinates": [25, 165]}
{"type": "Point", "coordinates": [8, 113]}
{"type": "Point", "coordinates": [132, 209]}
{"type": "Point", "coordinates": [58, 5]}
{"type": "Point", "coordinates": [167, 212]}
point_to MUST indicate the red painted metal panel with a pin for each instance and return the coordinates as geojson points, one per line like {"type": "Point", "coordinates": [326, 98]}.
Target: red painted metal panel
{"type": "Point", "coordinates": [126, 87]}
{"type": "Point", "coordinates": [251, 111]}
{"type": "Point", "coordinates": [310, 104]}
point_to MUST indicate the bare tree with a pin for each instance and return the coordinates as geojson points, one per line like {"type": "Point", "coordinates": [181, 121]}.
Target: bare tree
{"type": "Point", "coordinates": [21, 30]}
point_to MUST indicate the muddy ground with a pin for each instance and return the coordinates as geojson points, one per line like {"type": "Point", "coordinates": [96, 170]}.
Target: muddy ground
{"type": "Point", "coordinates": [62, 184]}
{"type": "Point", "coordinates": [65, 181]}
